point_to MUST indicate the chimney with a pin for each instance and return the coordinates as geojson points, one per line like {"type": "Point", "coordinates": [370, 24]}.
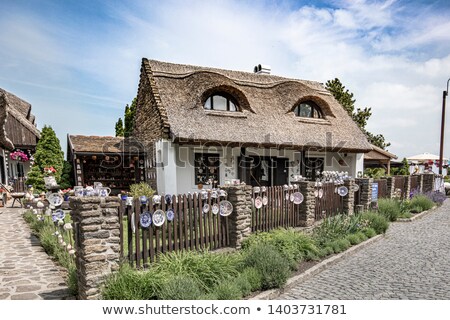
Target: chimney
{"type": "Point", "coordinates": [261, 69]}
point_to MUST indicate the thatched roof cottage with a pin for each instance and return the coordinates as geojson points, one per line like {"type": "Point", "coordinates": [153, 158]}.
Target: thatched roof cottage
{"type": "Point", "coordinates": [204, 125]}
{"type": "Point", "coordinates": [18, 132]}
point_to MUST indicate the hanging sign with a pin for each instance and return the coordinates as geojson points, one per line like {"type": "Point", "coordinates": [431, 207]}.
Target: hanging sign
{"type": "Point", "coordinates": [374, 191]}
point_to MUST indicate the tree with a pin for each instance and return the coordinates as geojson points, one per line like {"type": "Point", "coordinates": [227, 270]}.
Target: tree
{"type": "Point", "coordinates": [360, 116]}
{"type": "Point", "coordinates": [36, 179]}
{"type": "Point", "coordinates": [119, 128]}
{"type": "Point", "coordinates": [125, 128]}
{"type": "Point", "coordinates": [48, 154]}
{"type": "Point", "coordinates": [403, 170]}
{"type": "Point", "coordinates": [66, 176]}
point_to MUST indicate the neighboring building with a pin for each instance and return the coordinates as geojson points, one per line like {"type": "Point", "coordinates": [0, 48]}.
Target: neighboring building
{"type": "Point", "coordinates": [18, 135]}
{"type": "Point", "coordinates": [379, 158]}
{"type": "Point", "coordinates": [201, 125]}
{"type": "Point", "coordinates": [114, 161]}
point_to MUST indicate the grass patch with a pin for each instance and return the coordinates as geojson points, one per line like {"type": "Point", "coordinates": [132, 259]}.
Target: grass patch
{"type": "Point", "coordinates": [421, 202]}
{"type": "Point", "coordinates": [389, 208]}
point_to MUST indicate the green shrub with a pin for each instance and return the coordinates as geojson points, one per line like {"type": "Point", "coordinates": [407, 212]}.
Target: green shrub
{"type": "Point", "coordinates": [326, 251]}
{"type": "Point", "coordinates": [421, 201]}
{"type": "Point", "coordinates": [272, 266]}
{"type": "Point", "coordinates": [253, 277]}
{"type": "Point", "coordinates": [389, 208]}
{"type": "Point", "coordinates": [180, 287]}
{"type": "Point", "coordinates": [130, 284]}
{"type": "Point", "coordinates": [206, 268]}
{"type": "Point", "coordinates": [293, 246]}
{"type": "Point", "coordinates": [243, 284]}
{"type": "Point", "coordinates": [208, 296]}
{"type": "Point", "coordinates": [353, 238]}
{"type": "Point", "coordinates": [228, 290]}
{"type": "Point", "coordinates": [141, 189]}
{"type": "Point", "coordinates": [72, 281]}
{"type": "Point", "coordinates": [362, 237]}
{"type": "Point", "coordinates": [336, 227]}
{"type": "Point", "coordinates": [376, 221]}
{"type": "Point", "coordinates": [369, 232]}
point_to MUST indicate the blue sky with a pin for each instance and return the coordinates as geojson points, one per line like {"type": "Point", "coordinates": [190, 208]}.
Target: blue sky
{"type": "Point", "coordinates": [77, 62]}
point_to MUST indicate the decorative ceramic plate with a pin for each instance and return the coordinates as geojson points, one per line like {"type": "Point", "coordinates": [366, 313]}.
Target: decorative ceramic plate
{"type": "Point", "coordinates": [342, 191]}
{"type": "Point", "coordinates": [205, 208]}
{"type": "Point", "coordinates": [145, 219]}
{"type": "Point", "coordinates": [291, 197]}
{"type": "Point", "coordinates": [223, 193]}
{"type": "Point", "coordinates": [214, 194]}
{"type": "Point", "coordinates": [355, 187]}
{"type": "Point", "coordinates": [58, 215]}
{"type": "Point", "coordinates": [156, 199]}
{"type": "Point", "coordinates": [215, 208]}
{"type": "Point", "coordinates": [298, 197]}
{"type": "Point", "coordinates": [204, 194]}
{"type": "Point", "coordinates": [55, 199]}
{"type": "Point", "coordinates": [316, 193]}
{"type": "Point", "coordinates": [168, 199]}
{"type": "Point", "coordinates": [320, 193]}
{"type": "Point", "coordinates": [263, 189]}
{"type": "Point", "coordinates": [258, 202]}
{"type": "Point", "coordinates": [287, 196]}
{"type": "Point", "coordinates": [170, 215]}
{"type": "Point", "coordinates": [256, 189]}
{"type": "Point", "coordinates": [265, 200]}
{"type": "Point", "coordinates": [226, 208]}
{"type": "Point", "coordinates": [158, 218]}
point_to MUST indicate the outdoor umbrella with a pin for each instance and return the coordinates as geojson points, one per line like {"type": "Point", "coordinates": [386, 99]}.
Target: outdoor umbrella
{"type": "Point", "coordinates": [424, 157]}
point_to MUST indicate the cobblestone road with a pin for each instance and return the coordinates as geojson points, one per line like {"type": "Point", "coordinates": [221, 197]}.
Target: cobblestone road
{"type": "Point", "coordinates": [26, 271]}
{"type": "Point", "coordinates": [411, 262]}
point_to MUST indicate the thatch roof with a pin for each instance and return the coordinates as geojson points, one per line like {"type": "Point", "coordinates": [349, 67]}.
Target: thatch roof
{"type": "Point", "coordinates": [102, 144]}
{"type": "Point", "coordinates": [19, 124]}
{"type": "Point", "coordinates": [266, 103]}
{"type": "Point", "coordinates": [379, 154]}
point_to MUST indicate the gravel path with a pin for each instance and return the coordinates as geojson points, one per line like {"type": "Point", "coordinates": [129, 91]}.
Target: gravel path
{"type": "Point", "coordinates": [411, 262]}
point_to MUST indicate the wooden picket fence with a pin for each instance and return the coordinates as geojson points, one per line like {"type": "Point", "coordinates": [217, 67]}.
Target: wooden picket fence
{"type": "Point", "coordinates": [191, 229]}
{"type": "Point", "coordinates": [279, 211]}
{"type": "Point", "coordinates": [414, 183]}
{"type": "Point", "coordinates": [330, 204]}
{"type": "Point", "coordinates": [399, 183]}
{"type": "Point", "coordinates": [382, 188]}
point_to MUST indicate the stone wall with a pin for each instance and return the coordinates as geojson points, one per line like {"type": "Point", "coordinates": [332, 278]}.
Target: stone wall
{"type": "Point", "coordinates": [365, 185]}
{"type": "Point", "coordinates": [349, 199]}
{"type": "Point", "coordinates": [390, 187]}
{"type": "Point", "coordinates": [241, 218]}
{"type": "Point", "coordinates": [97, 241]}
{"type": "Point", "coordinates": [308, 206]}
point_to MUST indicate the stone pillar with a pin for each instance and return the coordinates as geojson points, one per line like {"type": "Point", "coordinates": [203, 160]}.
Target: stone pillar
{"type": "Point", "coordinates": [349, 199]}
{"type": "Point", "coordinates": [390, 187]}
{"type": "Point", "coordinates": [241, 218]}
{"type": "Point", "coordinates": [420, 183]}
{"type": "Point", "coordinates": [96, 228]}
{"type": "Point", "coordinates": [365, 185]}
{"type": "Point", "coordinates": [407, 187]}
{"type": "Point", "coordinates": [428, 182]}
{"type": "Point", "coordinates": [308, 206]}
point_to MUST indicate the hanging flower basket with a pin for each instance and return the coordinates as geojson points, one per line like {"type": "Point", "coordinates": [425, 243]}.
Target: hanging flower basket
{"type": "Point", "coordinates": [19, 156]}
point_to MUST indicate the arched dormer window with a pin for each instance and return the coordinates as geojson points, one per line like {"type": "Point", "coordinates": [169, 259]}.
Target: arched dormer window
{"type": "Point", "coordinates": [221, 102]}
{"type": "Point", "coordinates": [308, 109]}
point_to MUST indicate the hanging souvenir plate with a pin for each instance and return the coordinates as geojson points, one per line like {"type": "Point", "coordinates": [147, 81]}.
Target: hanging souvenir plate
{"type": "Point", "coordinates": [298, 197]}
{"type": "Point", "coordinates": [205, 208]}
{"type": "Point", "coordinates": [60, 215]}
{"type": "Point", "coordinates": [226, 208]}
{"type": "Point", "coordinates": [158, 218]}
{"type": "Point", "coordinates": [265, 201]}
{"type": "Point", "coordinates": [256, 189]}
{"type": "Point", "coordinates": [258, 202]}
{"type": "Point", "coordinates": [355, 187]}
{"type": "Point", "coordinates": [204, 194]}
{"type": "Point", "coordinates": [263, 189]}
{"type": "Point", "coordinates": [170, 215]}
{"type": "Point", "coordinates": [214, 194]}
{"type": "Point", "coordinates": [168, 199]}
{"type": "Point", "coordinates": [156, 199]}
{"type": "Point", "coordinates": [55, 199]}
{"type": "Point", "coordinates": [145, 219]}
{"type": "Point", "coordinates": [316, 193]}
{"type": "Point", "coordinates": [215, 208]}
{"type": "Point", "coordinates": [223, 193]}
{"type": "Point", "coordinates": [287, 196]}
{"type": "Point", "coordinates": [292, 197]}
{"type": "Point", "coordinates": [342, 191]}
{"type": "Point", "coordinates": [320, 193]}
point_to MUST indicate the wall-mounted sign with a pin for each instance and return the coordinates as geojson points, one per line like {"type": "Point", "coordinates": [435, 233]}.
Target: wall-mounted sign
{"type": "Point", "coordinates": [374, 191]}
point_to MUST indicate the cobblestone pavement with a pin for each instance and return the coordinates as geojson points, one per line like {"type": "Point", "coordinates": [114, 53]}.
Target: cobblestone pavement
{"type": "Point", "coordinates": [26, 271]}
{"type": "Point", "coordinates": [411, 262]}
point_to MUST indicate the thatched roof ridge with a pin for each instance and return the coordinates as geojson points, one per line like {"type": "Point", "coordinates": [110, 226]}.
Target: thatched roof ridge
{"type": "Point", "coordinates": [379, 154]}
{"type": "Point", "coordinates": [266, 102]}
{"type": "Point", "coordinates": [102, 144]}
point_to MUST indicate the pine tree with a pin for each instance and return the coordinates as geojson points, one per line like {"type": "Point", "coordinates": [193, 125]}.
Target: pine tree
{"type": "Point", "coordinates": [36, 179]}
{"type": "Point", "coordinates": [360, 116]}
{"type": "Point", "coordinates": [119, 128]}
{"type": "Point", "coordinates": [130, 112]}
{"type": "Point", "coordinates": [66, 176]}
{"type": "Point", "coordinates": [48, 154]}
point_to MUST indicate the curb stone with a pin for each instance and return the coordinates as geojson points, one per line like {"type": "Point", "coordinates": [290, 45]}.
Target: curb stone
{"type": "Point", "coordinates": [274, 293]}
{"type": "Point", "coordinates": [417, 216]}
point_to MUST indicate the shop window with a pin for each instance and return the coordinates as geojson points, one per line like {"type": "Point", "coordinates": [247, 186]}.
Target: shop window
{"type": "Point", "coordinates": [207, 168]}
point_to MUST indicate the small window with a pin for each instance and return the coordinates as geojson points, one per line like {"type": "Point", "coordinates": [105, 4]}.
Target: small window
{"type": "Point", "coordinates": [221, 102]}
{"type": "Point", "coordinates": [207, 168]}
{"type": "Point", "coordinates": [308, 109]}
